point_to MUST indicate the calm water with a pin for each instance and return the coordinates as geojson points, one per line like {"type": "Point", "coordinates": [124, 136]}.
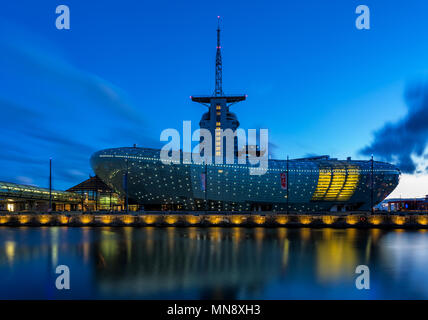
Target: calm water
{"type": "Point", "coordinates": [194, 263]}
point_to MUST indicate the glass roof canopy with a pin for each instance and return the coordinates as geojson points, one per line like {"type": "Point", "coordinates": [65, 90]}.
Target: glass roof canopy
{"type": "Point", "coordinates": [20, 191]}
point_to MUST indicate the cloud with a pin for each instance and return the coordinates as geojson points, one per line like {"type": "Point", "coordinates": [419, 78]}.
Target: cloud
{"type": "Point", "coordinates": [404, 141]}
{"type": "Point", "coordinates": [51, 108]}
{"type": "Point", "coordinates": [24, 180]}
{"type": "Point", "coordinates": [311, 155]}
{"type": "Point", "coordinates": [411, 186]}
{"type": "Point", "coordinates": [272, 149]}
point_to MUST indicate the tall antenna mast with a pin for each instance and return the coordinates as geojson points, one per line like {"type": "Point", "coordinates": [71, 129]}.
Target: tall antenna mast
{"type": "Point", "coordinates": [218, 64]}
{"type": "Point", "coordinates": [218, 99]}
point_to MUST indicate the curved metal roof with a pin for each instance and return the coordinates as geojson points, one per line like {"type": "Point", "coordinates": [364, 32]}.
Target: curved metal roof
{"type": "Point", "coordinates": [14, 190]}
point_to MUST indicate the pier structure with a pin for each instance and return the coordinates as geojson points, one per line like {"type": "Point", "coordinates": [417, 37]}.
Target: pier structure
{"type": "Point", "coordinates": [210, 219]}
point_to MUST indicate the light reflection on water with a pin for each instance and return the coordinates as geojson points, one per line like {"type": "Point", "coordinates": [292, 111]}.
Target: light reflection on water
{"type": "Point", "coordinates": [193, 263]}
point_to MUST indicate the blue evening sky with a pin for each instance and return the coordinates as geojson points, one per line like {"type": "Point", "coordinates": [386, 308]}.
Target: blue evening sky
{"type": "Point", "coordinates": [125, 71]}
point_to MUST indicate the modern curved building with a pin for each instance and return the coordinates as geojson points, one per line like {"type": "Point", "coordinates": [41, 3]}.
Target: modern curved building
{"type": "Point", "coordinates": [313, 184]}
{"type": "Point", "coordinates": [301, 185]}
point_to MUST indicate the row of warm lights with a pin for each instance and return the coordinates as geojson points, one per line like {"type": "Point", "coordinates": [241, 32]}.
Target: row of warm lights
{"type": "Point", "coordinates": [245, 167]}
{"type": "Point", "coordinates": [329, 219]}
{"type": "Point", "coordinates": [42, 219]}
{"type": "Point", "coordinates": [259, 219]}
{"type": "Point", "coordinates": [147, 219]}
{"type": "Point", "coordinates": [212, 219]}
{"type": "Point", "coordinates": [375, 220]}
{"type": "Point", "coordinates": [399, 220]}
{"type": "Point", "coordinates": [422, 220]}
{"type": "Point", "coordinates": [237, 219]}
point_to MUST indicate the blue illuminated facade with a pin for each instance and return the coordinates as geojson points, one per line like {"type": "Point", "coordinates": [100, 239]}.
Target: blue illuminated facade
{"type": "Point", "coordinates": [312, 185]}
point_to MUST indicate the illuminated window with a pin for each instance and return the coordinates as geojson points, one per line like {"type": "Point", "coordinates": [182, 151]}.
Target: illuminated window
{"type": "Point", "coordinates": [218, 124]}
{"type": "Point", "coordinates": [218, 113]}
{"type": "Point", "coordinates": [217, 154]}
{"type": "Point", "coordinates": [218, 107]}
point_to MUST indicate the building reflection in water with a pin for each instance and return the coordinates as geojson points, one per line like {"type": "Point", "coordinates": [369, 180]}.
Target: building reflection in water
{"type": "Point", "coordinates": [237, 259]}
{"type": "Point", "coordinates": [336, 254]}
{"type": "Point", "coordinates": [9, 248]}
{"type": "Point", "coordinates": [161, 260]}
{"type": "Point", "coordinates": [214, 262]}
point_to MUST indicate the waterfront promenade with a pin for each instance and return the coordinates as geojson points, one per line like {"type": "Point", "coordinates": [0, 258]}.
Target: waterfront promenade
{"type": "Point", "coordinates": [224, 219]}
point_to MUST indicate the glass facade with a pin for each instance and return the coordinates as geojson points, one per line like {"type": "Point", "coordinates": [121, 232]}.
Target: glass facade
{"type": "Point", "coordinates": [312, 185]}
{"type": "Point", "coordinates": [17, 197]}
{"type": "Point", "coordinates": [97, 196]}
{"type": "Point", "coordinates": [13, 190]}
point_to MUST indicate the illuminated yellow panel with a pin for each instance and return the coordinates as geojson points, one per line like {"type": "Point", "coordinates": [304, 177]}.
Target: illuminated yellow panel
{"type": "Point", "coordinates": [352, 179]}
{"type": "Point", "coordinates": [107, 219]}
{"type": "Point", "coordinates": [215, 219]}
{"type": "Point", "coordinates": [305, 219]}
{"type": "Point", "coordinates": [375, 220]}
{"type": "Point", "coordinates": [399, 220]}
{"type": "Point", "coordinates": [329, 219]}
{"type": "Point", "coordinates": [85, 219]}
{"type": "Point", "coordinates": [128, 219]}
{"type": "Point", "coordinates": [323, 184]}
{"type": "Point", "coordinates": [352, 220]}
{"type": "Point", "coordinates": [23, 219]}
{"type": "Point", "coordinates": [282, 219]}
{"type": "Point", "coordinates": [237, 219]}
{"type": "Point", "coordinates": [4, 219]}
{"type": "Point", "coordinates": [259, 219]}
{"type": "Point", "coordinates": [149, 219]}
{"type": "Point", "coordinates": [218, 124]}
{"type": "Point", "coordinates": [63, 219]}
{"type": "Point", "coordinates": [423, 220]}
{"type": "Point", "coordinates": [43, 219]}
{"type": "Point", "coordinates": [193, 219]}
{"type": "Point", "coordinates": [171, 219]}
{"type": "Point", "coordinates": [218, 107]}
{"type": "Point", "coordinates": [338, 184]}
